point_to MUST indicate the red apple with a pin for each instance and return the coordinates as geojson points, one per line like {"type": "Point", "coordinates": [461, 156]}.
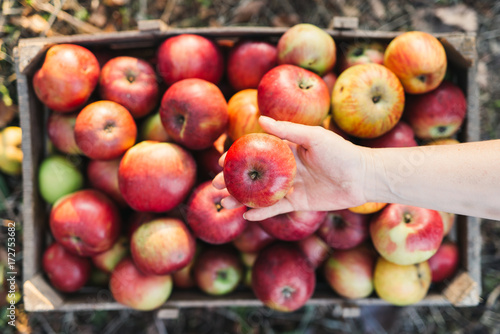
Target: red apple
{"type": "Point", "coordinates": [437, 114]}
{"type": "Point", "coordinates": [350, 272]}
{"type": "Point", "coordinates": [290, 93]}
{"type": "Point", "coordinates": [218, 271]}
{"type": "Point", "coordinates": [104, 130]}
{"type": "Point", "coordinates": [405, 234]}
{"type": "Point", "coordinates": [189, 56]}
{"type": "Point", "coordinates": [418, 59]}
{"type": "Point", "coordinates": [208, 220]}
{"type": "Point", "coordinates": [130, 82]}
{"type": "Point", "coordinates": [444, 263]}
{"type": "Point", "coordinates": [243, 111]}
{"type": "Point", "coordinates": [194, 113]}
{"type": "Point", "coordinates": [344, 229]}
{"type": "Point", "coordinates": [162, 246]}
{"type": "Point", "coordinates": [248, 61]}
{"type": "Point", "coordinates": [67, 77]}
{"type": "Point", "coordinates": [361, 53]}
{"type": "Point", "coordinates": [136, 219]}
{"type": "Point", "coordinates": [307, 46]}
{"type": "Point", "coordinates": [259, 169]}
{"type": "Point", "coordinates": [294, 225]}
{"type": "Point", "coordinates": [184, 277]}
{"type": "Point", "coordinates": [367, 100]}
{"type": "Point", "coordinates": [107, 260]}
{"type": "Point", "coordinates": [156, 176]}
{"type": "Point", "coordinates": [282, 277]}
{"type": "Point", "coordinates": [85, 222]}
{"type": "Point", "coordinates": [401, 284]}
{"type": "Point", "coordinates": [152, 129]}
{"type": "Point", "coordinates": [401, 135]}
{"type": "Point", "coordinates": [103, 175]}
{"type": "Point", "coordinates": [67, 272]}
{"type": "Point", "coordinates": [61, 132]}
{"type": "Point", "coordinates": [330, 79]}
{"type": "Point", "coordinates": [252, 239]}
{"type": "Point", "coordinates": [315, 249]}
{"type": "Point", "coordinates": [208, 159]}
{"type": "Point", "coordinates": [136, 290]}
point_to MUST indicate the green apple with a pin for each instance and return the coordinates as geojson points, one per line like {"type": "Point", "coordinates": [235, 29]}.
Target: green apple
{"type": "Point", "coordinates": [57, 177]}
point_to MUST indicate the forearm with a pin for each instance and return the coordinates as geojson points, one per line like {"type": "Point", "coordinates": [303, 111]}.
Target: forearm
{"type": "Point", "coordinates": [462, 178]}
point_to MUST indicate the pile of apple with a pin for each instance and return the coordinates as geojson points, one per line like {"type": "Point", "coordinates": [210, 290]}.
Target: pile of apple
{"type": "Point", "coordinates": [145, 212]}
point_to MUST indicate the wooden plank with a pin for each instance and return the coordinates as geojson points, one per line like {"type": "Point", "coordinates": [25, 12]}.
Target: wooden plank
{"type": "Point", "coordinates": [38, 295]}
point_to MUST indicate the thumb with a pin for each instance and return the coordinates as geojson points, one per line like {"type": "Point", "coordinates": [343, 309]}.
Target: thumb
{"type": "Point", "coordinates": [296, 133]}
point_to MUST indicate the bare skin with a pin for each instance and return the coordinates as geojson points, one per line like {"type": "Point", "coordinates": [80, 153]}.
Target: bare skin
{"type": "Point", "coordinates": [334, 174]}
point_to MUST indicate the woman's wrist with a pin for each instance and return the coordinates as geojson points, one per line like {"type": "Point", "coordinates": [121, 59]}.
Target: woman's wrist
{"type": "Point", "coordinates": [376, 185]}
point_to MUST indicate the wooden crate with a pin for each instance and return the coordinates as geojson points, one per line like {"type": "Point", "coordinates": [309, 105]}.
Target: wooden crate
{"type": "Point", "coordinates": [463, 290]}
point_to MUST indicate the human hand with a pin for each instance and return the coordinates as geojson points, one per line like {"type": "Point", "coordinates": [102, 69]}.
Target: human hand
{"type": "Point", "coordinates": [331, 171]}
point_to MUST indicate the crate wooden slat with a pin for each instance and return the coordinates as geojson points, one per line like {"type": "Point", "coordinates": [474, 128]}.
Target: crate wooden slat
{"type": "Point", "coordinates": [40, 296]}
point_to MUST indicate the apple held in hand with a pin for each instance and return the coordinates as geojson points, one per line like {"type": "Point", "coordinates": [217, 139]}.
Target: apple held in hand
{"type": "Point", "coordinates": [344, 229]}
{"type": "Point", "coordinates": [85, 222]}
{"type": "Point", "coordinates": [405, 234]}
{"type": "Point", "coordinates": [136, 290]}
{"type": "Point", "coordinates": [162, 246]}
{"type": "Point", "coordinates": [418, 59]}
{"type": "Point", "coordinates": [243, 111]}
{"type": "Point", "coordinates": [189, 56]}
{"type": "Point", "coordinates": [282, 277]}
{"type": "Point", "coordinates": [194, 113]}
{"type": "Point", "coordinates": [61, 132]}
{"type": "Point", "coordinates": [67, 77]}
{"type": "Point", "coordinates": [290, 93]}
{"type": "Point", "coordinates": [309, 47]}
{"type": "Point", "coordinates": [293, 226]}
{"type": "Point", "coordinates": [104, 130]}
{"type": "Point", "coordinates": [156, 176]}
{"type": "Point", "coordinates": [350, 272]}
{"type": "Point", "coordinates": [218, 271]}
{"type": "Point", "coordinates": [208, 220]}
{"type": "Point", "coordinates": [401, 284]}
{"type": "Point", "coordinates": [67, 272]}
{"type": "Point", "coordinates": [438, 113]}
{"type": "Point", "coordinates": [247, 63]}
{"type": "Point", "coordinates": [131, 82]}
{"type": "Point", "coordinates": [259, 169]}
{"type": "Point", "coordinates": [444, 263]}
{"type": "Point", "coordinates": [361, 53]}
{"type": "Point", "coordinates": [367, 100]}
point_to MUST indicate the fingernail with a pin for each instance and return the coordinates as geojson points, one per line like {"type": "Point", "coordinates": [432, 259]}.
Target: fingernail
{"type": "Point", "coordinates": [245, 216]}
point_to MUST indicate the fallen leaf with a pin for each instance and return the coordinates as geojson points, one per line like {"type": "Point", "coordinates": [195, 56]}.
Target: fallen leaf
{"type": "Point", "coordinates": [460, 16]}
{"type": "Point", "coordinates": [246, 10]}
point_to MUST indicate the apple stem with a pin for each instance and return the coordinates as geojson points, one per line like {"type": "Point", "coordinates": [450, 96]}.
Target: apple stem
{"type": "Point", "coordinates": [422, 78]}
{"type": "Point", "coordinates": [254, 175]}
{"type": "Point", "coordinates": [180, 119]}
{"type": "Point", "coordinates": [222, 275]}
{"type": "Point", "coordinates": [304, 86]}
{"type": "Point", "coordinates": [218, 206]}
{"type": "Point", "coordinates": [287, 292]}
{"type": "Point", "coordinates": [109, 126]}
{"type": "Point", "coordinates": [407, 218]}
{"type": "Point", "coordinates": [442, 129]}
{"type": "Point", "coordinates": [376, 98]}
{"type": "Point", "coordinates": [358, 52]}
